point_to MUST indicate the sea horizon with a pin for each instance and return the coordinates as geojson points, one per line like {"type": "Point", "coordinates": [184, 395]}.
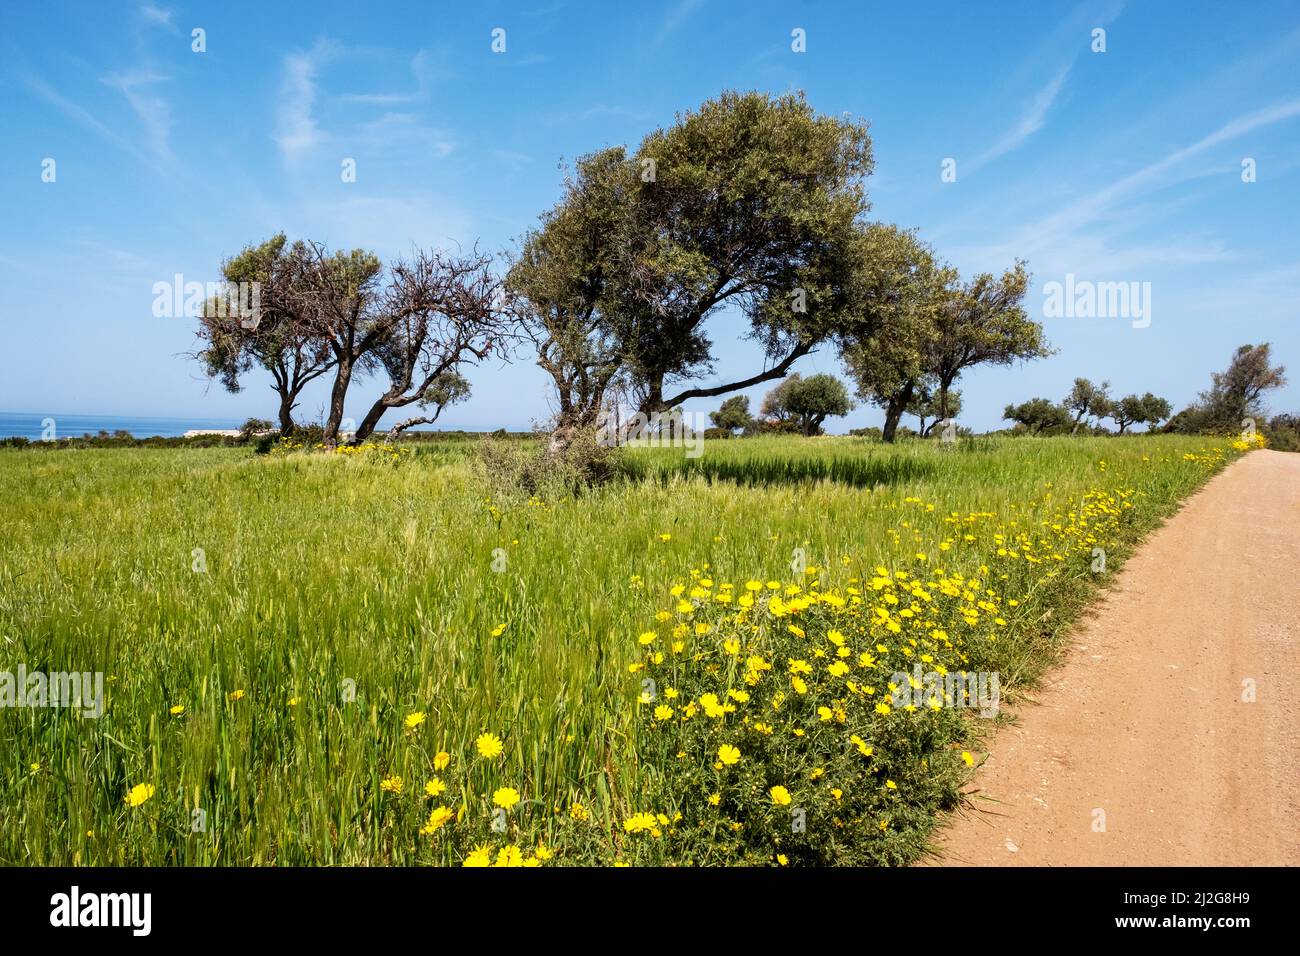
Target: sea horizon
{"type": "Point", "coordinates": [33, 425]}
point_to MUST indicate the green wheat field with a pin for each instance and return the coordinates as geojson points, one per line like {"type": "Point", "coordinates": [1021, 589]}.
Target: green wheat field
{"type": "Point", "coordinates": [368, 659]}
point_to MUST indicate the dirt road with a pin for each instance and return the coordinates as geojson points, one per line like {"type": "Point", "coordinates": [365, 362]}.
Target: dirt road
{"type": "Point", "coordinates": [1139, 749]}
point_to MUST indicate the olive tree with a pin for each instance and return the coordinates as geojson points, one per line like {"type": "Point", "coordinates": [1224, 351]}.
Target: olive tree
{"type": "Point", "coordinates": [1237, 392]}
{"type": "Point", "coordinates": [734, 414]}
{"type": "Point", "coordinates": [925, 406]}
{"type": "Point", "coordinates": [236, 337]}
{"type": "Point", "coordinates": [891, 362]}
{"type": "Point", "coordinates": [936, 328]}
{"type": "Point", "coordinates": [752, 203]}
{"type": "Point", "coordinates": [445, 315]}
{"type": "Point", "coordinates": [807, 402]}
{"type": "Point", "coordinates": [983, 322]}
{"type": "Point", "coordinates": [1086, 399]}
{"type": "Point", "coordinates": [1039, 415]}
{"type": "Point", "coordinates": [1139, 409]}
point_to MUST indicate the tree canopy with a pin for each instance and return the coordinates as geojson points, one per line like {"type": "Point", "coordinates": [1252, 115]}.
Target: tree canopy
{"type": "Point", "coordinates": [1087, 400]}
{"type": "Point", "coordinates": [808, 402]}
{"type": "Point", "coordinates": [752, 203]}
{"type": "Point", "coordinates": [322, 311]}
{"type": "Point", "coordinates": [1139, 409]}
{"type": "Point", "coordinates": [936, 328]}
{"type": "Point", "coordinates": [1039, 415]}
{"type": "Point", "coordinates": [734, 414]}
{"type": "Point", "coordinates": [983, 322]}
{"type": "Point", "coordinates": [1235, 396]}
{"type": "Point", "coordinates": [893, 360]}
{"type": "Point", "coordinates": [234, 340]}
{"type": "Point", "coordinates": [925, 406]}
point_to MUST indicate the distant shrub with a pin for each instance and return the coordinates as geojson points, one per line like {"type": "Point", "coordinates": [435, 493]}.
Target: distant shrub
{"type": "Point", "coordinates": [310, 434]}
{"type": "Point", "coordinates": [254, 427]}
{"type": "Point", "coordinates": [514, 468]}
{"type": "Point", "coordinates": [1283, 432]}
{"type": "Point", "coordinates": [122, 439]}
{"type": "Point", "coordinates": [872, 434]}
{"type": "Point", "coordinates": [773, 426]}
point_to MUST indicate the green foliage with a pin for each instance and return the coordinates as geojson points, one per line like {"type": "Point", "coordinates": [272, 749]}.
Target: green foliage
{"type": "Point", "coordinates": [814, 399]}
{"type": "Point", "coordinates": [935, 327]}
{"type": "Point", "coordinates": [276, 337]}
{"type": "Point", "coordinates": [621, 277]}
{"type": "Point", "coordinates": [926, 406]}
{"type": "Point", "coordinates": [253, 427]}
{"type": "Point", "coordinates": [1283, 432]}
{"type": "Point", "coordinates": [1086, 399]}
{"type": "Point", "coordinates": [514, 470]}
{"type": "Point", "coordinates": [734, 415]}
{"type": "Point", "coordinates": [812, 798]}
{"type": "Point", "coordinates": [983, 322]}
{"type": "Point", "coordinates": [1039, 416]}
{"type": "Point", "coordinates": [805, 403]}
{"type": "Point", "coordinates": [1137, 409]}
{"type": "Point", "coordinates": [894, 360]}
{"type": "Point", "coordinates": [1235, 395]}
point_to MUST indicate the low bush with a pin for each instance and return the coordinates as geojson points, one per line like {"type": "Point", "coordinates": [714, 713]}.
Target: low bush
{"type": "Point", "coordinates": [516, 469]}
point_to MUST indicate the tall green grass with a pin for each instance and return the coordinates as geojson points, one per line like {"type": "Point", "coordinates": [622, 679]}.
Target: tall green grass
{"type": "Point", "coordinates": [187, 575]}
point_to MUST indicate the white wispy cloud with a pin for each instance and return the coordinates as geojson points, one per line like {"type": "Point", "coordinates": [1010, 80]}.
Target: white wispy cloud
{"type": "Point", "coordinates": [598, 111]}
{"type": "Point", "coordinates": [152, 109]}
{"type": "Point", "coordinates": [379, 99]}
{"type": "Point", "coordinates": [297, 132]}
{"type": "Point", "coordinates": [422, 68]}
{"type": "Point", "coordinates": [402, 133]}
{"type": "Point", "coordinates": [156, 14]}
{"type": "Point", "coordinates": [1030, 122]}
{"type": "Point", "coordinates": [1156, 174]}
{"type": "Point", "coordinates": [119, 258]}
{"type": "Point", "coordinates": [1094, 232]}
{"type": "Point", "coordinates": [389, 224]}
{"type": "Point", "coordinates": [1055, 58]}
{"type": "Point", "coordinates": [79, 114]}
{"type": "Point", "coordinates": [392, 135]}
{"type": "Point", "coordinates": [1270, 294]}
{"type": "Point", "coordinates": [676, 15]}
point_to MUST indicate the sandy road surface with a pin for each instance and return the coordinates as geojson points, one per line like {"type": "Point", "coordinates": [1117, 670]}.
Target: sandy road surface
{"type": "Point", "coordinates": [1145, 720]}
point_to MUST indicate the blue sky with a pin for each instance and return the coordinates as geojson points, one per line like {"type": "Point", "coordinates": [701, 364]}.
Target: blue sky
{"type": "Point", "coordinates": [1115, 166]}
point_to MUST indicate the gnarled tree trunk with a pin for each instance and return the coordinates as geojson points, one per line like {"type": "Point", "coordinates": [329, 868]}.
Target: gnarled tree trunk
{"type": "Point", "coordinates": [898, 402]}
{"type": "Point", "coordinates": [342, 378]}
{"type": "Point", "coordinates": [287, 404]}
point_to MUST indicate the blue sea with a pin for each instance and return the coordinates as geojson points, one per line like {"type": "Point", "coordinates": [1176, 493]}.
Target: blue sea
{"type": "Point", "coordinates": [34, 425]}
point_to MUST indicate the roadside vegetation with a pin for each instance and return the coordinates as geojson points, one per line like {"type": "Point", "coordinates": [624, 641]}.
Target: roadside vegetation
{"type": "Point", "coordinates": [365, 659]}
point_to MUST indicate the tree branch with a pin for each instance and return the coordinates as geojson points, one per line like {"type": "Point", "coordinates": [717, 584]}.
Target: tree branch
{"type": "Point", "coordinates": [776, 371]}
